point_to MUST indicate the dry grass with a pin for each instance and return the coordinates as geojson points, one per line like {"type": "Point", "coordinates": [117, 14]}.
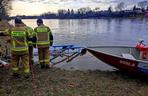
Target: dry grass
{"type": "Point", "coordinates": [57, 82]}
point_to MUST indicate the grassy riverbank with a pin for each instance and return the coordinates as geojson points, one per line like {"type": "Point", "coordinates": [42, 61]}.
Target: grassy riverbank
{"type": "Point", "coordinates": [57, 82]}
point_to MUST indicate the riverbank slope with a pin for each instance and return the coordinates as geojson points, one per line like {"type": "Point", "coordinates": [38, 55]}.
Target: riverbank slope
{"type": "Point", "coordinates": [59, 82]}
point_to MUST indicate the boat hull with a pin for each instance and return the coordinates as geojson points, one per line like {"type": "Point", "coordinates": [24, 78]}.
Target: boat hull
{"type": "Point", "coordinates": [129, 65]}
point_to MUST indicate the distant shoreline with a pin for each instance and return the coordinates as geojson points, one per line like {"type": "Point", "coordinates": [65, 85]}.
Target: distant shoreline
{"type": "Point", "coordinates": [82, 18]}
{"type": "Point", "coordinates": [91, 15]}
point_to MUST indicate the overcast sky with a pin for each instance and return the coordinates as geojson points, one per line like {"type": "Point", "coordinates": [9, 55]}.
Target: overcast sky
{"type": "Point", "coordinates": [35, 7]}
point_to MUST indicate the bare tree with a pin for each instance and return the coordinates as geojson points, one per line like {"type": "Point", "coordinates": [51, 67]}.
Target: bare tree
{"type": "Point", "coordinates": [84, 10]}
{"type": "Point", "coordinates": [134, 8]}
{"type": "Point", "coordinates": [62, 12]}
{"type": "Point", "coordinates": [120, 6]}
{"type": "Point", "coordinates": [110, 9]}
{"type": "Point", "coordinates": [96, 9]}
{"type": "Point", "coordinates": [5, 6]}
{"type": "Point", "coordinates": [143, 4]}
{"type": "Point", "coordinates": [147, 8]}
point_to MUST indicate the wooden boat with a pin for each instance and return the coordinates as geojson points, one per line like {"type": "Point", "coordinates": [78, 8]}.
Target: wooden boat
{"type": "Point", "coordinates": [129, 59]}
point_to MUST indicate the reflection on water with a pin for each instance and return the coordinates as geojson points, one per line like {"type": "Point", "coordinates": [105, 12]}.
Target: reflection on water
{"type": "Point", "coordinates": [92, 32]}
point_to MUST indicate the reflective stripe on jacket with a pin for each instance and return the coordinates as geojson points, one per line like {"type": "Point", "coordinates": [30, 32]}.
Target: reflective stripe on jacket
{"type": "Point", "coordinates": [43, 35]}
{"type": "Point", "coordinates": [32, 34]}
{"type": "Point", "coordinates": [19, 40]}
{"type": "Point", "coordinates": [4, 25]}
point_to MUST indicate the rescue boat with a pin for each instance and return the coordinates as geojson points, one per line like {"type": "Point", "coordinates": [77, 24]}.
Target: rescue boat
{"type": "Point", "coordinates": [130, 59]}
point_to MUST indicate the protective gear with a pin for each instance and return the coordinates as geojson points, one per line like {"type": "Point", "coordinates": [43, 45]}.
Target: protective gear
{"type": "Point", "coordinates": [4, 27]}
{"type": "Point", "coordinates": [19, 48]}
{"type": "Point", "coordinates": [39, 21]}
{"type": "Point", "coordinates": [15, 63]}
{"type": "Point", "coordinates": [44, 39]}
{"type": "Point", "coordinates": [44, 36]}
{"type": "Point", "coordinates": [18, 20]}
{"type": "Point", "coordinates": [19, 41]}
{"type": "Point", "coordinates": [44, 57]}
{"type": "Point", "coordinates": [30, 42]}
{"type": "Point", "coordinates": [32, 34]}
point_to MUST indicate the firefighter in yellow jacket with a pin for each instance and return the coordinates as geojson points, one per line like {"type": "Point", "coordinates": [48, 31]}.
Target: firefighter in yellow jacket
{"type": "Point", "coordinates": [44, 41]}
{"type": "Point", "coordinates": [30, 43]}
{"type": "Point", "coordinates": [32, 34]}
{"type": "Point", "coordinates": [4, 27]}
{"type": "Point", "coordinates": [19, 48]}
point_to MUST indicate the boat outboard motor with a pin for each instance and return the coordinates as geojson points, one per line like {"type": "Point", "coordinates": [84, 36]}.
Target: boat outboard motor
{"type": "Point", "coordinates": [143, 49]}
{"type": "Point", "coordinates": [140, 41]}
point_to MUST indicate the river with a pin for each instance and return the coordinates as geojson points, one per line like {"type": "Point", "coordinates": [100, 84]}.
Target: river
{"type": "Point", "coordinates": [94, 32]}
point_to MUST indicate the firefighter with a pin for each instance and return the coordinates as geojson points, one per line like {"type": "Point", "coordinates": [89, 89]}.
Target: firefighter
{"type": "Point", "coordinates": [4, 25]}
{"type": "Point", "coordinates": [19, 48]}
{"type": "Point", "coordinates": [44, 41]}
{"type": "Point", "coordinates": [30, 43]}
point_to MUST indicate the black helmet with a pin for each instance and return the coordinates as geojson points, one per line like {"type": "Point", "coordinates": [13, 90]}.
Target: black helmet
{"type": "Point", "coordinates": [18, 20]}
{"type": "Point", "coordinates": [40, 20]}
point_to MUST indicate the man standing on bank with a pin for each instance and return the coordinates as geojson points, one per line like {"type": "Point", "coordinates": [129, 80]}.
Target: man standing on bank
{"type": "Point", "coordinates": [30, 43]}
{"type": "Point", "coordinates": [44, 41]}
{"type": "Point", "coordinates": [19, 47]}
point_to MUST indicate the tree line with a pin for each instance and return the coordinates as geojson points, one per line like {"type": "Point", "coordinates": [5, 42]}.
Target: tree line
{"type": "Point", "coordinates": [138, 10]}
{"type": "Point", "coordinates": [119, 10]}
{"type": "Point", "coordinates": [5, 6]}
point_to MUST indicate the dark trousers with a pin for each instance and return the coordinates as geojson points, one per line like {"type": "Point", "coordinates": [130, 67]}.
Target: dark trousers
{"type": "Point", "coordinates": [31, 55]}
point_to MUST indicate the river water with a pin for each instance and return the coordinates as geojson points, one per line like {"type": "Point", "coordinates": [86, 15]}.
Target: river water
{"type": "Point", "coordinates": [94, 32]}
